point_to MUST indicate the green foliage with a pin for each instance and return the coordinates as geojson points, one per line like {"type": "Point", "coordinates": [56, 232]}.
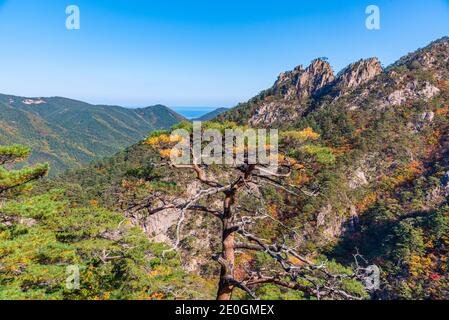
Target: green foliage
{"type": "Point", "coordinates": [46, 235]}
{"type": "Point", "coordinates": [42, 235]}
{"type": "Point", "coordinates": [323, 155]}
{"type": "Point", "coordinates": [273, 292]}
{"type": "Point", "coordinates": [13, 153]}
{"type": "Point", "coordinates": [334, 124]}
{"type": "Point", "coordinates": [409, 239]}
{"type": "Point", "coordinates": [17, 178]}
{"type": "Point", "coordinates": [67, 133]}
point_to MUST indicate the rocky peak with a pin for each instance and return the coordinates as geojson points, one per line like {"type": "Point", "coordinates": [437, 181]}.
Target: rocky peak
{"type": "Point", "coordinates": [303, 83]}
{"type": "Point", "coordinates": [359, 73]}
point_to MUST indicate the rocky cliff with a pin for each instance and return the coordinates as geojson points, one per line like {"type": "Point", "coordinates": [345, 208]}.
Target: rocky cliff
{"type": "Point", "coordinates": [304, 83]}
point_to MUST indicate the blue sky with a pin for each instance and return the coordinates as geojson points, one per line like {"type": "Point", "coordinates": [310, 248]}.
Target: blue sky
{"type": "Point", "coordinates": [195, 53]}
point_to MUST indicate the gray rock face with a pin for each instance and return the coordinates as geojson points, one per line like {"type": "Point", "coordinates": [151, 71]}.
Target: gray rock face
{"type": "Point", "coordinates": [411, 91]}
{"type": "Point", "coordinates": [318, 75]}
{"type": "Point", "coordinates": [271, 112]}
{"type": "Point", "coordinates": [157, 227]}
{"type": "Point", "coordinates": [322, 215]}
{"type": "Point", "coordinates": [428, 116]}
{"type": "Point", "coordinates": [330, 224]}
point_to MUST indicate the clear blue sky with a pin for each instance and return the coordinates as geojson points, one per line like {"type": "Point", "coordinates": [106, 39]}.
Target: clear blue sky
{"type": "Point", "coordinates": [195, 53]}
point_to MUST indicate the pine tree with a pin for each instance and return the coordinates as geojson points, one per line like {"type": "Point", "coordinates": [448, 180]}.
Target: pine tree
{"type": "Point", "coordinates": [14, 179]}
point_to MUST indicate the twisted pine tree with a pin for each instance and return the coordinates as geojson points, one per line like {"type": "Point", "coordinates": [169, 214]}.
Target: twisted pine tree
{"type": "Point", "coordinates": [13, 179]}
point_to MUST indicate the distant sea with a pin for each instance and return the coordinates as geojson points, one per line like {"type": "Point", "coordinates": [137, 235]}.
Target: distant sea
{"type": "Point", "coordinates": [193, 112]}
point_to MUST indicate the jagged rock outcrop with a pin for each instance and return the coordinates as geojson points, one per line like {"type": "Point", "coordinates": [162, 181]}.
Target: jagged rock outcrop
{"type": "Point", "coordinates": [292, 89]}
{"type": "Point", "coordinates": [411, 91]}
{"type": "Point", "coordinates": [299, 85]}
{"type": "Point", "coordinates": [357, 74]}
{"type": "Point", "coordinates": [364, 84]}
{"type": "Point", "coordinates": [358, 179]}
{"type": "Point", "coordinates": [331, 225]}
{"type": "Point", "coordinates": [274, 112]}
{"type": "Point", "coordinates": [317, 76]}
{"type": "Point", "coordinates": [303, 83]}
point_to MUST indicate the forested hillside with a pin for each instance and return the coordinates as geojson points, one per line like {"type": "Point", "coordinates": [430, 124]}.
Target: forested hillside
{"type": "Point", "coordinates": [67, 133]}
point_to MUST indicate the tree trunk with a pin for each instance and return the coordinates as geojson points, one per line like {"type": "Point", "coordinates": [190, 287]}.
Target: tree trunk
{"type": "Point", "coordinates": [226, 286]}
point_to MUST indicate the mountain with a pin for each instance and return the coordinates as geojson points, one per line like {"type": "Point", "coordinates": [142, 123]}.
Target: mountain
{"type": "Point", "coordinates": [159, 116]}
{"type": "Point", "coordinates": [209, 116]}
{"type": "Point", "coordinates": [302, 90]}
{"type": "Point", "coordinates": [379, 171]}
{"type": "Point", "coordinates": [68, 133]}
